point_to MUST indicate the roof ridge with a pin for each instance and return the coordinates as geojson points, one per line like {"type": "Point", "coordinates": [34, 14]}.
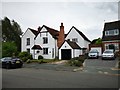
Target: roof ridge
{"type": "Point", "coordinates": [81, 33]}
{"type": "Point", "coordinates": [50, 28]}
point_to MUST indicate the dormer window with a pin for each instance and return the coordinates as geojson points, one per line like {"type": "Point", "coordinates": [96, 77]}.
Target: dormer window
{"type": "Point", "coordinates": [112, 32]}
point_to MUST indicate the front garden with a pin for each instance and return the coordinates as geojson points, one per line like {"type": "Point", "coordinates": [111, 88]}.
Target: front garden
{"type": "Point", "coordinates": [27, 58]}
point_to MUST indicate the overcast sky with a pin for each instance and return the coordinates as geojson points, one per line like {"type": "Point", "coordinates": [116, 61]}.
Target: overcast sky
{"type": "Point", "coordinates": [88, 17]}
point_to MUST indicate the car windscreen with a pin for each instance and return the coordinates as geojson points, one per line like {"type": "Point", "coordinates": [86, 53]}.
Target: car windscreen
{"type": "Point", "coordinates": [94, 51]}
{"type": "Point", "coordinates": [8, 58]}
{"type": "Point", "coordinates": [108, 52]}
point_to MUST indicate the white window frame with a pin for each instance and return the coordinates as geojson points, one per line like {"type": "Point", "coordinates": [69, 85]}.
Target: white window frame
{"type": "Point", "coordinates": [115, 32]}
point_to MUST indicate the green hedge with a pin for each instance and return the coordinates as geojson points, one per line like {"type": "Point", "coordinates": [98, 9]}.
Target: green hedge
{"type": "Point", "coordinates": [24, 56]}
{"type": "Point", "coordinates": [41, 61]}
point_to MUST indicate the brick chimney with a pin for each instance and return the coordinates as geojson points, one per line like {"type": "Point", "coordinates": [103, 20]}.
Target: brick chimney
{"type": "Point", "coordinates": [61, 36]}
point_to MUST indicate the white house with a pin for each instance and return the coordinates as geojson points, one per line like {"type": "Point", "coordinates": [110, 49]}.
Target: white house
{"type": "Point", "coordinates": [80, 44]}
{"type": "Point", "coordinates": [69, 50]}
{"type": "Point", "coordinates": [27, 40]}
{"type": "Point", "coordinates": [46, 41]}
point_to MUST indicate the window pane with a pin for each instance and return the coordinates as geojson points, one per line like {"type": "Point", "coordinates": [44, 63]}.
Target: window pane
{"type": "Point", "coordinates": [45, 40]}
{"type": "Point", "coordinates": [45, 50]}
{"type": "Point", "coordinates": [75, 40]}
{"type": "Point", "coordinates": [28, 41]}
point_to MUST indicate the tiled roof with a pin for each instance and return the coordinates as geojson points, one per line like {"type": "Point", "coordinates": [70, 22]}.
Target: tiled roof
{"type": "Point", "coordinates": [34, 31]}
{"type": "Point", "coordinates": [111, 26]}
{"type": "Point", "coordinates": [74, 45]}
{"type": "Point", "coordinates": [37, 47]}
{"type": "Point", "coordinates": [52, 31]}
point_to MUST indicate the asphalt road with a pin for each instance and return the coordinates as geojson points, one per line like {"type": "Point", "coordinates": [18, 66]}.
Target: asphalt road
{"type": "Point", "coordinates": [46, 76]}
{"type": "Point", "coordinates": [41, 78]}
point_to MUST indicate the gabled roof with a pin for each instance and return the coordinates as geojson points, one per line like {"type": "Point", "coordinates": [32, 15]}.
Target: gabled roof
{"type": "Point", "coordinates": [35, 32]}
{"type": "Point", "coordinates": [37, 47]}
{"type": "Point", "coordinates": [80, 33]}
{"type": "Point", "coordinates": [52, 31]}
{"type": "Point", "coordinates": [111, 26]}
{"type": "Point", "coordinates": [73, 45]}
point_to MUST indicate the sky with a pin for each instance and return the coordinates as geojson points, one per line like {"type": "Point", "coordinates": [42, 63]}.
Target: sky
{"type": "Point", "coordinates": [88, 17]}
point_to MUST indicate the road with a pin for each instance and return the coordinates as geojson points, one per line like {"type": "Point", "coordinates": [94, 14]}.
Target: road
{"type": "Point", "coordinates": [41, 77]}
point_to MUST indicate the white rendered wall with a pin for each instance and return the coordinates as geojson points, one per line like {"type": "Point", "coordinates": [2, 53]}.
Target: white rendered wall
{"type": "Point", "coordinates": [65, 46]}
{"type": "Point", "coordinates": [24, 46]}
{"type": "Point", "coordinates": [51, 44]}
{"type": "Point", "coordinates": [75, 34]}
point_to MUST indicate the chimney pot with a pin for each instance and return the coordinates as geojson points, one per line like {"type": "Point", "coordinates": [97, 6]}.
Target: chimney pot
{"type": "Point", "coordinates": [61, 24]}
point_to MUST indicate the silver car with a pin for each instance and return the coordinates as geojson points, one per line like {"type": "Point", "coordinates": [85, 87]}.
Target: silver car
{"type": "Point", "coordinates": [93, 54]}
{"type": "Point", "coordinates": [108, 54]}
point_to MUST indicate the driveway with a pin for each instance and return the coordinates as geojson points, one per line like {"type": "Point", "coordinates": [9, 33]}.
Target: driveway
{"type": "Point", "coordinates": [101, 66]}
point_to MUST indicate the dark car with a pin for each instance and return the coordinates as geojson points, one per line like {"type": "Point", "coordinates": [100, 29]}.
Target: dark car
{"type": "Point", "coordinates": [9, 62]}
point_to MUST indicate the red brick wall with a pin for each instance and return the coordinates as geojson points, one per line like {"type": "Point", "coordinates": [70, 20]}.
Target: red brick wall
{"type": "Point", "coordinates": [61, 36]}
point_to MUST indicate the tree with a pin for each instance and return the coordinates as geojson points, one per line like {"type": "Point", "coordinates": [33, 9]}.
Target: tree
{"type": "Point", "coordinates": [8, 48]}
{"type": "Point", "coordinates": [97, 41]}
{"type": "Point", "coordinates": [11, 32]}
{"type": "Point", "coordinates": [11, 41]}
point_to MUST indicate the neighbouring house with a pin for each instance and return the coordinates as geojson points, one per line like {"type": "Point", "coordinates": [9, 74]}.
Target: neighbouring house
{"type": "Point", "coordinates": [111, 35]}
{"type": "Point", "coordinates": [51, 43]}
{"type": "Point", "coordinates": [28, 40]}
{"type": "Point", "coordinates": [47, 40]}
{"type": "Point", "coordinates": [75, 44]}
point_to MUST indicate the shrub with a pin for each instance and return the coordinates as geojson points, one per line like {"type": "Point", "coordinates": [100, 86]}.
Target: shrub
{"type": "Point", "coordinates": [77, 61]}
{"type": "Point", "coordinates": [28, 61]}
{"type": "Point", "coordinates": [40, 57]}
{"type": "Point", "coordinates": [25, 56]}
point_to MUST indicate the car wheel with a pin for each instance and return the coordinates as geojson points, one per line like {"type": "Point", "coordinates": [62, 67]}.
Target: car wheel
{"type": "Point", "coordinates": [7, 66]}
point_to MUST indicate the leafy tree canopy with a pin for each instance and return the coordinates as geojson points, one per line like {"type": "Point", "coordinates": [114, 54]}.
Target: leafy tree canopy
{"type": "Point", "coordinates": [97, 41]}
{"type": "Point", "coordinates": [11, 41]}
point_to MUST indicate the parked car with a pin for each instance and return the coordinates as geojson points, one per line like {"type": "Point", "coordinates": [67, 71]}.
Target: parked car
{"type": "Point", "coordinates": [9, 62]}
{"type": "Point", "coordinates": [93, 54]}
{"type": "Point", "coordinates": [108, 54]}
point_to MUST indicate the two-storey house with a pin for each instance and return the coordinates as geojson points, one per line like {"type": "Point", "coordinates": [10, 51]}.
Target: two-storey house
{"type": "Point", "coordinates": [51, 43]}
{"type": "Point", "coordinates": [111, 36]}
{"type": "Point", "coordinates": [47, 40]}
{"type": "Point", "coordinates": [28, 40]}
{"type": "Point", "coordinates": [75, 44]}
